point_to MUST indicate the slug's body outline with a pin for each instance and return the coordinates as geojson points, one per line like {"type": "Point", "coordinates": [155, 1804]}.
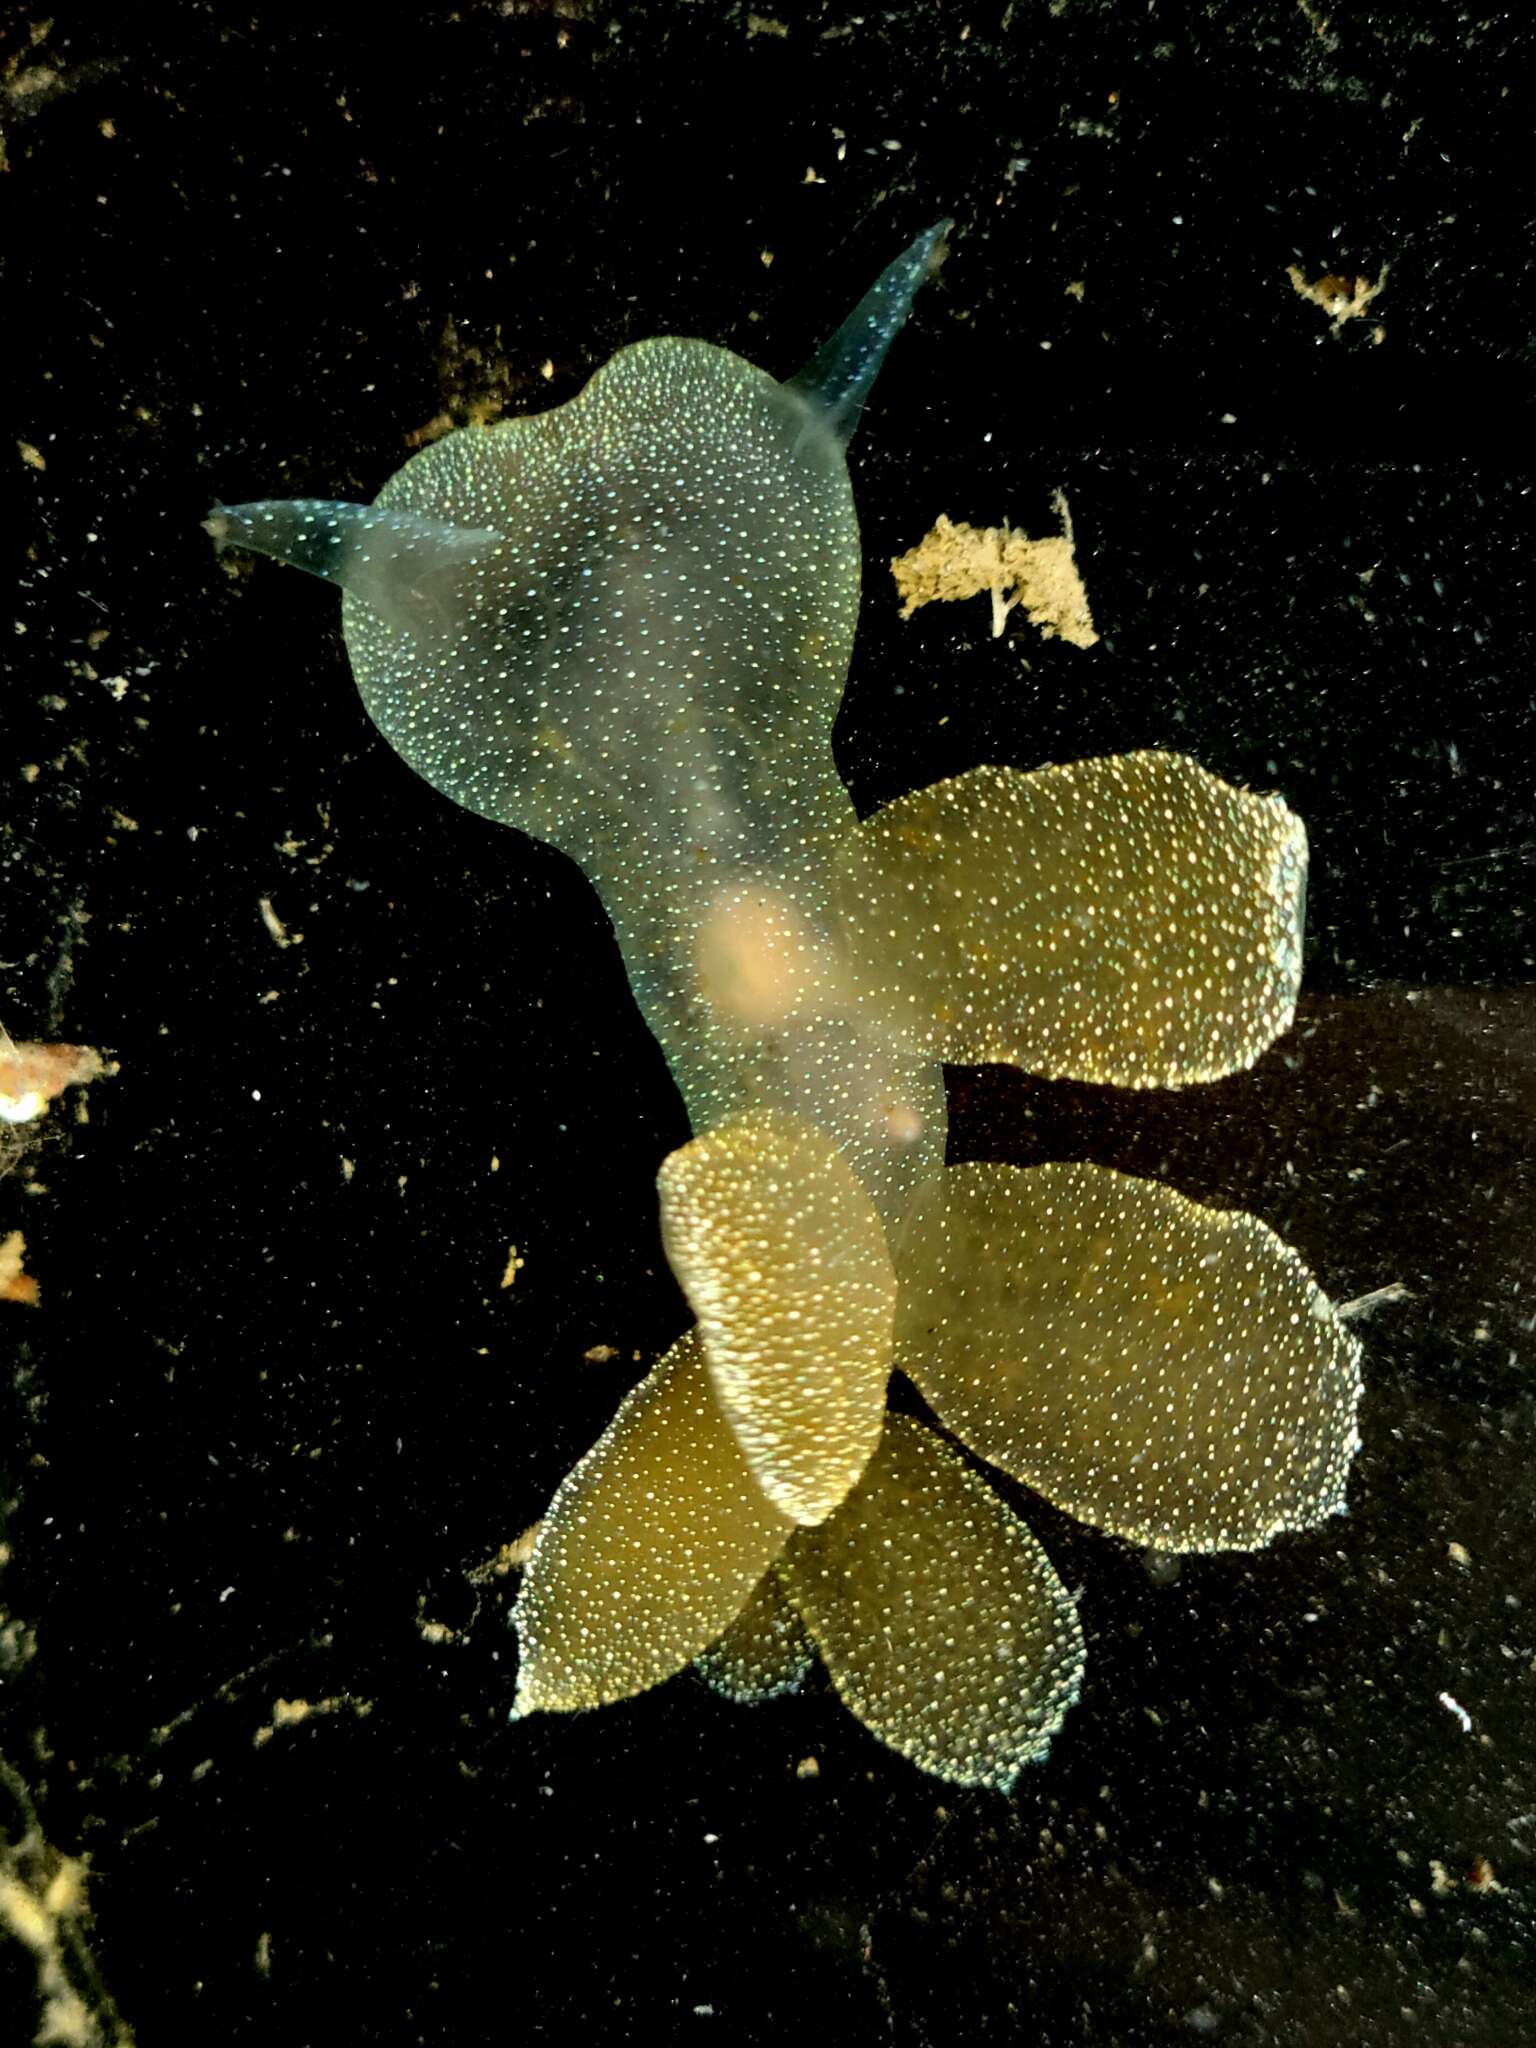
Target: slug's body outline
{"type": "Point", "coordinates": [624, 626]}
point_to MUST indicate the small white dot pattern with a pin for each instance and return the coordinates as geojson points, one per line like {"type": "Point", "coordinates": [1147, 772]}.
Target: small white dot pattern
{"type": "Point", "coordinates": [943, 1623]}
{"type": "Point", "coordinates": [1168, 1372]}
{"type": "Point", "coordinates": [765, 1652]}
{"type": "Point", "coordinates": [784, 1261]}
{"type": "Point", "coordinates": [1130, 920]}
{"type": "Point", "coordinates": [646, 670]}
{"type": "Point", "coordinates": [650, 1548]}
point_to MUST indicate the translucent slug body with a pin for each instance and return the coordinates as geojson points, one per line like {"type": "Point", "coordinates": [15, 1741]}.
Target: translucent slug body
{"type": "Point", "coordinates": [624, 626]}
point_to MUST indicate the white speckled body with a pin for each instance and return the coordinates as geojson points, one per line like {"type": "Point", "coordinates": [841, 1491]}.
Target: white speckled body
{"type": "Point", "coordinates": [643, 669]}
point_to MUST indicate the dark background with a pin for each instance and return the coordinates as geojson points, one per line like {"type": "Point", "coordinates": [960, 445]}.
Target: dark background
{"type": "Point", "coordinates": [267, 1418]}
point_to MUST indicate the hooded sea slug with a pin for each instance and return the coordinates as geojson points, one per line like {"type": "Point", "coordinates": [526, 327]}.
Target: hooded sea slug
{"type": "Point", "coordinates": [624, 626]}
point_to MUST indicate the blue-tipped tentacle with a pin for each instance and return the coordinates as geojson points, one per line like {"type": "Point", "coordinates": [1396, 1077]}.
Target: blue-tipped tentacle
{"type": "Point", "coordinates": [837, 379]}
{"type": "Point", "coordinates": [407, 566]}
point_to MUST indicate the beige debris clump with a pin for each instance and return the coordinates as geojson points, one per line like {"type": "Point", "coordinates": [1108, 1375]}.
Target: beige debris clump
{"type": "Point", "coordinates": [32, 1075]}
{"type": "Point", "coordinates": [954, 561]}
{"type": "Point", "coordinates": [16, 1283]}
{"type": "Point", "coordinates": [44, 1911]}
{"type": "Point", "coordinates": [1341, 298]}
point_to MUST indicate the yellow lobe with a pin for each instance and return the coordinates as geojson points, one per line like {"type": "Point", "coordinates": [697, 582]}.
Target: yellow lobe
{"type": "Point", "coordinates": [764, 1653]}
{"type": "Point", "coordinates": [784, 1261]}
{"type": "Point", "coordinates": [649, 1550]}
{"type": "Point", "coordinates": [941, 1620]}
{"type": "Point", "coordinates": [1168, 1372]}
{"type": "Point", "coordinates": [1131, 920]}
